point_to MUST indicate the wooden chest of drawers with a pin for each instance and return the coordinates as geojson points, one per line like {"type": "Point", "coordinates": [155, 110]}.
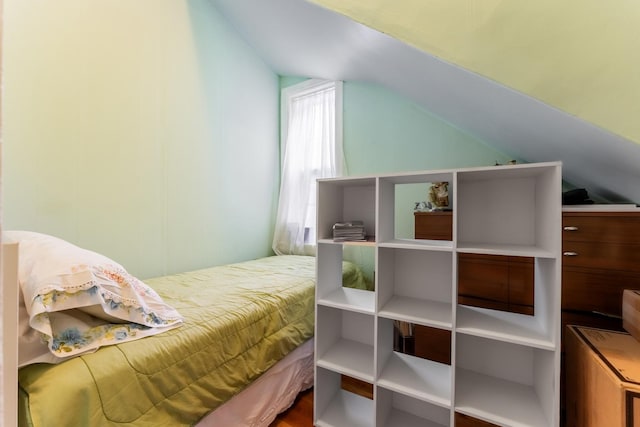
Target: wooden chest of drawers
{"type": "Point", "coordinates": [601, 258]}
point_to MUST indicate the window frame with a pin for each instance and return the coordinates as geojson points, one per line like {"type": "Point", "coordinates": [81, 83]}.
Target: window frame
{"type": "Point", "coordinates": [301, 89]}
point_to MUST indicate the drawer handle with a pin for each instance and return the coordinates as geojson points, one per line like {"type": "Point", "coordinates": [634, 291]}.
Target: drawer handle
{"type": "Point", "coordinates": [570, 253]}
{"type": "Point", "coordinates": [570, 228]}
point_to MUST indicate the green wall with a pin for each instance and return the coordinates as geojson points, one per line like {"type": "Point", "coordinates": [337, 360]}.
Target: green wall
{"type": "Point", "coordinates": [146, 130]}
{"type": "Point", "coordinates": [580, 56]}
{"type": "Point", "coordinates": [384, 132]}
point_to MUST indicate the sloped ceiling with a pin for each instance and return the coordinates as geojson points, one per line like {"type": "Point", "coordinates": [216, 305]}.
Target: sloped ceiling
{"type": "Point", "coordinates": [302, 39]}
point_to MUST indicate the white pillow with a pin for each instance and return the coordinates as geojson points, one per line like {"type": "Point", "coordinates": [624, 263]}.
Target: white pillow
{"type": "Point", "coordinates": [78, 300]}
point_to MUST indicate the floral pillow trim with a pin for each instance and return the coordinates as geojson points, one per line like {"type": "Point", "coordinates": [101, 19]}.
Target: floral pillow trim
{"type": "Point", "coordinates": [95, 306]}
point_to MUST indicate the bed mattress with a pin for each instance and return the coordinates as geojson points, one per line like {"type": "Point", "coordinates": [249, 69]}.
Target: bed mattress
{"type": "Point", "coordinates": [240, 319]}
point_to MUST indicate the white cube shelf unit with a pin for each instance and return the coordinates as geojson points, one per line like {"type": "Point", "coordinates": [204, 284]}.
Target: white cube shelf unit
{"type": "Point", "coordinates": [504, 366]}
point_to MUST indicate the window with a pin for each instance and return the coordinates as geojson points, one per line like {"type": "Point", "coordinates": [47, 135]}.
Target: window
{"type": "Point", "coordinates": [311, 141]}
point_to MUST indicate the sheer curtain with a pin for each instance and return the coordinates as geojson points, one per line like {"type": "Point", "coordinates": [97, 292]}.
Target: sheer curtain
{"type": "Point", "coordinates": [312, 150]}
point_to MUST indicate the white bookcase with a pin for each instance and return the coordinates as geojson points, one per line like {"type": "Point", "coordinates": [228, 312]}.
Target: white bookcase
{"type": "Point", "coordinates": [504, 366]}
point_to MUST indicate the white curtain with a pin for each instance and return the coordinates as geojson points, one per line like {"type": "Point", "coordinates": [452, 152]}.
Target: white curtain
{"type": "Point", "coordinates": [309, 153]}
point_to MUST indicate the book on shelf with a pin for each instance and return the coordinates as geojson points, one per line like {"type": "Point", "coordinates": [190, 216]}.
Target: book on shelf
{"type": "Point", "coordinates": [349, 231]}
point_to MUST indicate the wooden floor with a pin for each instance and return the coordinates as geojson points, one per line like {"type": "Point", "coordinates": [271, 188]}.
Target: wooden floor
{"type": "Point", "coordinates": [300, 414]}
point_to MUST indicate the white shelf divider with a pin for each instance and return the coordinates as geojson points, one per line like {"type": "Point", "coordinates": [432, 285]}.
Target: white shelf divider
{"type": "Point", "coordinates": [427, 245]}
{"type": "Point", "coordinates": [349, 357]}
{"type": "Point", "coordinates": [504, 249]}
{"type": "Point", "coordinates": [351, 299]}
{"type": "Point", "coordinates": [419, 378]}
{"type": "Point", "coordinates": [507, 327]}
{"type": "Point", "coordinates": [498, 401]}
{"type": "Point", "coordinates": [415, 310]}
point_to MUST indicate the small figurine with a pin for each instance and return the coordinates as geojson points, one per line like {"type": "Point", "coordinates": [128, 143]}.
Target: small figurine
{"type": "Point", "coordinates": [439, 194]}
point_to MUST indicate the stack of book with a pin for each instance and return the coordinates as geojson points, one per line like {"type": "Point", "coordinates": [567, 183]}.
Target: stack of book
{"type": "Point", "coordinates": [349, 231]}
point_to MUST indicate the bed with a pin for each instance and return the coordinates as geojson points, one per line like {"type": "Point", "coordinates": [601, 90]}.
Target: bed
{"type": "Point", "coordinates": [242, 352]}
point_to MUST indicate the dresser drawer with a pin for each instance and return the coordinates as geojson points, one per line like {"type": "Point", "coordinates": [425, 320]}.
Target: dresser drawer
{"type": "Point", "coordinates": [496, 282]}
{"type": "Point", "coordinates": [620, 228]}
{"type": "Point", "coordinates": [596, 290]}
{"type": "Point", "coordinates": [625, 257]}
{"type": "Point", "coordinates": [462, 420]}
{"type": "Point", "coordinates": [432, 344]}
{"type": "Point", "coordinates": [434, 225]}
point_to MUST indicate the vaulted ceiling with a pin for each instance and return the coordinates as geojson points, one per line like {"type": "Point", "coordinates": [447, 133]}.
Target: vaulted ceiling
{"type": "Point", "coordinates": [298, 38]}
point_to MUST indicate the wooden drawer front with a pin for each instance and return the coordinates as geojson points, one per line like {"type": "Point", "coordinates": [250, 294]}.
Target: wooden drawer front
{"type": "Point", "coordinates": [596, 290]}
{"type": "Point", "coordinates": [462, 420]}
{"type": "Point", "coordinates": [433, 344]}
{"type": "Point", "coordinates": [496, 282]}
{"type": "Point", "coordinates": [483, 277]}
{"type": "Point", "coordinates": [601, 255]}
{"type": "Point", "coordinates": [521, 281]}
{"type": "Point", "coordinates": [354, 385]}
{"type": "Point", "coordinates": [433, 225]}
{"type": "Point", "coordinates": [613, 227]}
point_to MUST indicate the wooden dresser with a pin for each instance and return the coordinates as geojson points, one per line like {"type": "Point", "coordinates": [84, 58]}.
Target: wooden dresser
{"type": "Point", "coordinates": [601, 258]}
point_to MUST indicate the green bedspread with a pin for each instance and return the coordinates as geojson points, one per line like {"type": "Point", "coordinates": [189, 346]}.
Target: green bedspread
{"type": "Point", "coordinates": [240, 319]}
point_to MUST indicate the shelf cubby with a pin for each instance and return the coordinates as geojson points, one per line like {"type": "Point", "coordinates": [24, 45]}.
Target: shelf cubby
{"type": "Point", "coordinates": [347, 199]}
{"type": "Point", "coordinates": [539, 330]}
{"type": "Point", "coordinates": [344, 342]}
{"type": "Point", "coordinates": [335, 407]}
{"type": "Point", "coordinates": [399, 410]}
{"type": "Point", "coordinates": [396, 195]}
{"type": "Point", "coordinates": [409, 375]}
{"type": "Point", "coordinates": [509, 210]}
{"type": "Point", "coordinates": [330, 290]}
{"type": "Point", "coordinates": [504, 383]}
{"type": "Point", "coordinates": [415, 286]}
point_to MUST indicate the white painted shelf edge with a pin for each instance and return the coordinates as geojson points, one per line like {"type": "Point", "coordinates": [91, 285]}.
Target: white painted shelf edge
{"type": "Point", "coordinates": [424, 312]}
{"type": "Point", "coordinates": [356, 300]}
{"type": "Point", "coordinates": [419, 378]}
{"type": "Point", "coordinates": [497, 400]}
{"type": "Point", "coordinates": [427, 245]}
{"type": "Point", "coordinates": [510, 250]}
{"type": "Point", "coordinates": [350, 358]}
{"type": "Point", "coordinates": [482, 323]}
